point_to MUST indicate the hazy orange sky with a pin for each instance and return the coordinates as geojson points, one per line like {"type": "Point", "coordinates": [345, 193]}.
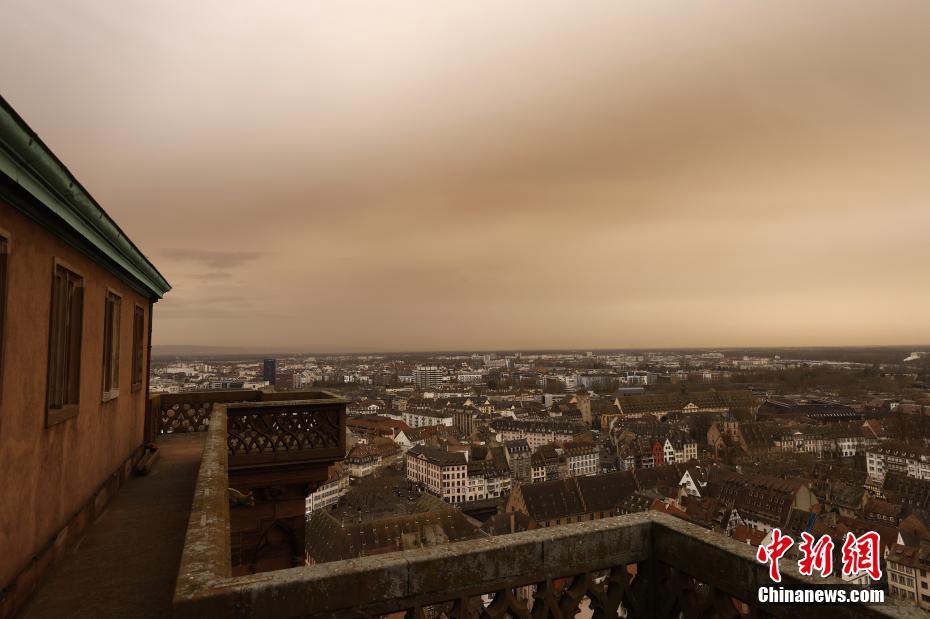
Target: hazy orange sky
{"type": "Point", "coordinates": [435, 175]}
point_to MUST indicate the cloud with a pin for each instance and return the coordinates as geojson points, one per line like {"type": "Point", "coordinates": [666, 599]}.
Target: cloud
{"type": "Point", "coordinates": [213, 259]}
{"type": "Point", "coordinates": [480, 175]}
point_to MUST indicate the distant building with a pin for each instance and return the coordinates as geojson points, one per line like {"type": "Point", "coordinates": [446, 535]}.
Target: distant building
{"type": "Point", "coordinates": [581, 459]}
{"type": "Point", "coordinates": [575, 499]}
{"type": "Point", "coordinates": [519, 458]}
{"type": "Point", "coordinates": [739, 403]}
{"type": "Point", "coordinates": [911, 460]}
{"type": "Point", "coordinates": [270, 370]}
{"type": "Point", "coordinates": [363, 460]}
{"type": "Point", "coordinates": [442, 473]}
{"type": "Point", "coordinates": [427, 377]}
{"type": "Point", "coordinates": [908, 572]}
{"type": "Point", "coordinates": [329, 493]}
{"type": "Point", "coordinates": [424, 418]}
{"type": "Point", "coordinates": [537, 432]}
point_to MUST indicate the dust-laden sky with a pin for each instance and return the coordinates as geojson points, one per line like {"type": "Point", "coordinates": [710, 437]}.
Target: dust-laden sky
{"type": "Point", "coordinates": [435, 175]}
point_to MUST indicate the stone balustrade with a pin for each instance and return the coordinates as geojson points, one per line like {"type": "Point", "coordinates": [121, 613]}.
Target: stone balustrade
{"type": "Point", "coordinates": [638, 565]}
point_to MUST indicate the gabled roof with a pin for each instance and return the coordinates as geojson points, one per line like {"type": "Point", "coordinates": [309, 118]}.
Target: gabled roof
{"type": "Point", "coordinates": [604, 493]}
{"type": "Point", "coordinates": [330, 540]}
{"type": "Point", "coordinates": [549, 500]}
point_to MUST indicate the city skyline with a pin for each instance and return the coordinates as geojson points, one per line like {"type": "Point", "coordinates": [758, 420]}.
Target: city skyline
{"type": "Point", "coordinates": [338, 178]}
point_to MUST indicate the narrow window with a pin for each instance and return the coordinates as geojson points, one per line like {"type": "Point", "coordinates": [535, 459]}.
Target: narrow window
{"type": "Point", "coordinates": [64, 349]}
{"type": "Point", "coordinates": [4, 250]}
{"type": "Point", "coordinates": [111, 332]}
{"type": "Point", "coordinates": [138, 337]}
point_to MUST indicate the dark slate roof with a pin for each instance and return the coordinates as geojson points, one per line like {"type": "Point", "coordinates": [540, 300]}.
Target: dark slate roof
{"type": "Point", "coordinates": [643, 404]}
{"type": "Point", "coordinates": [517, 445]}
{"type": "Point", "coordinates": [500, 523]}
{"type": "Point", "coordinates": [330, 540]}
{"type": "Point", "coordinates": [559, 426]}
{"type": "Point", "coordinates": [846, 495]}
{"type": "Point", "coordinates": [667, 476]}
{"type": "Point", "coordinates": [882, 508]}
{"type": "Point", "coordinates": [911, 491]}
{"type": "Point", "coordinates": [438, 456]}
{"type": "Point", "coordinates": [549, 500]}
{"type": "Point", "coordinates": [604, 493]}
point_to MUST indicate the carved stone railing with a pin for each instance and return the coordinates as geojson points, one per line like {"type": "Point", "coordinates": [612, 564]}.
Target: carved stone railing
{"type": "Point", "coordinates": [190, 411]}
{"type": "Point", "coordinates": [643, 565]}
{"type": "Point", "coordinates": [282, 432]}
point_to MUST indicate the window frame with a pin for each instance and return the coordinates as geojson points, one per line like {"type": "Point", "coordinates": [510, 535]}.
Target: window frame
{"type": "Point", "coordinates": [111, 345]}
{"type": "Point", "coordinates": [5, 243]}
{"type": "Point", "coordinates": [138, 347]}
{"type": "Point", "coordinates": [69, 409]}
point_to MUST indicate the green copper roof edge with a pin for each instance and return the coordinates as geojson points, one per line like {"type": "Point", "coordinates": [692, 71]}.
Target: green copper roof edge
{"type": "Point", "coordinates": [33, 166]}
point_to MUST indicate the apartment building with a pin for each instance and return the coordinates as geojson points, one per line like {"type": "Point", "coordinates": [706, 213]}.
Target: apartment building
{"type": "Point", "coordinates": [908, 571]}
{"type": "Point", "coordinates": [427, 377]}
{"type": "Point", "coordinates": [536, 432]}
{"type": "Point", "coordinates": [519, 458]}
{"type": "Point", "coordinates": [423, 418]}
{"type": "Point", "coordinates": [839, 439]}
{"type": "Point", "coordinates": [661, 406]}
{"type": "Point", "coordinates": [581, 459]}
{"type": "Point", "coordinates": [329, 493]}
{"type": "Point", "coordinates": [442, 473]}
{"type": "Point", "coordinates": [486, 481]}
{"type": "Point", "coordinates": [679, 449]}
{"type": "Point", "coordinates": [911, 460]}
{"type": "Point", "coordinates": [363, 460]}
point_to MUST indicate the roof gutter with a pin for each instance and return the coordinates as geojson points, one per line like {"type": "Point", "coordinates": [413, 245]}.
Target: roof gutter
{"type": "Point", "coordinates": [26, 160]}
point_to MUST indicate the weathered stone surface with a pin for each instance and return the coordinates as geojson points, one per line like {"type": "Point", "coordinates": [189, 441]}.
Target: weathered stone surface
{"type": "Point", "coordinates": [731, 566]}
{"type": "Point", "coordinates": [656, 543]}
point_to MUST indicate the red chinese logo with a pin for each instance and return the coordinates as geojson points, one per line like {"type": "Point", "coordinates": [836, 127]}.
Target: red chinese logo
{"type": "Point", "coordinates": [861, 554]}
{"type": "Point", "coordinates": [815, 556]}
{"type": "Point", "coordinates": [771, 553]}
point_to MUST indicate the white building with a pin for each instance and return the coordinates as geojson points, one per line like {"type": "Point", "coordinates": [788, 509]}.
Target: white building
{"type": "Point", "coordinates": [424, 418]}
{"type": "Point", "coordinates": [679, 451]}
{"type": "Point", "coordinates": [912, 460]}
{"type": "Point", "coordinates": [427, 377]}
{"type": "Point", "coordinates": [442, 473]}
{"type": "Point", "coordinates": [363, 460]}
{"type": "Point", "coordinates": [581, 459]}
{"type": "Point", "coordinates": [536, 433]}
{"type": "Point", "coordinates": [485, 481]}
{"type": "Point", "coordinates": [327, 494]}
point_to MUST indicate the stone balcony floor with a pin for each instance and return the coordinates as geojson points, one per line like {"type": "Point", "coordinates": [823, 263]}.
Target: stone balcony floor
{"type": "Point", "coordinates": [127, 564]}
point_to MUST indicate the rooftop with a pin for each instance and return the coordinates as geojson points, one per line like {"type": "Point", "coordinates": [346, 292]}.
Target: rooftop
{"type": "Point", "coordinates": [166, 541]}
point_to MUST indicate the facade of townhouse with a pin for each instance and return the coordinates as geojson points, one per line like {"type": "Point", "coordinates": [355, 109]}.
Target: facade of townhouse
{"type": "Point", "coordinates": [581, 459]}
{"type": "Point", "coordinates": [912, 460]}
{"type": "Point", "coordinates": [328, 494]}
{"type": "Point", "coordinates": [908, 572]}
{"type": "Point", "coordinates": [442, 473]}
{"type": "Point", "coordinates": [423, 418]}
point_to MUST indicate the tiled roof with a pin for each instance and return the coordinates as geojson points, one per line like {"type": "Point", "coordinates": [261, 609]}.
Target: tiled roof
{"type": "Point", "coordinates": [438, 456]}
{"type": "Point", "coordinates": [330, 540]}
{"type": "Point", "coordinates": [642, 404]}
